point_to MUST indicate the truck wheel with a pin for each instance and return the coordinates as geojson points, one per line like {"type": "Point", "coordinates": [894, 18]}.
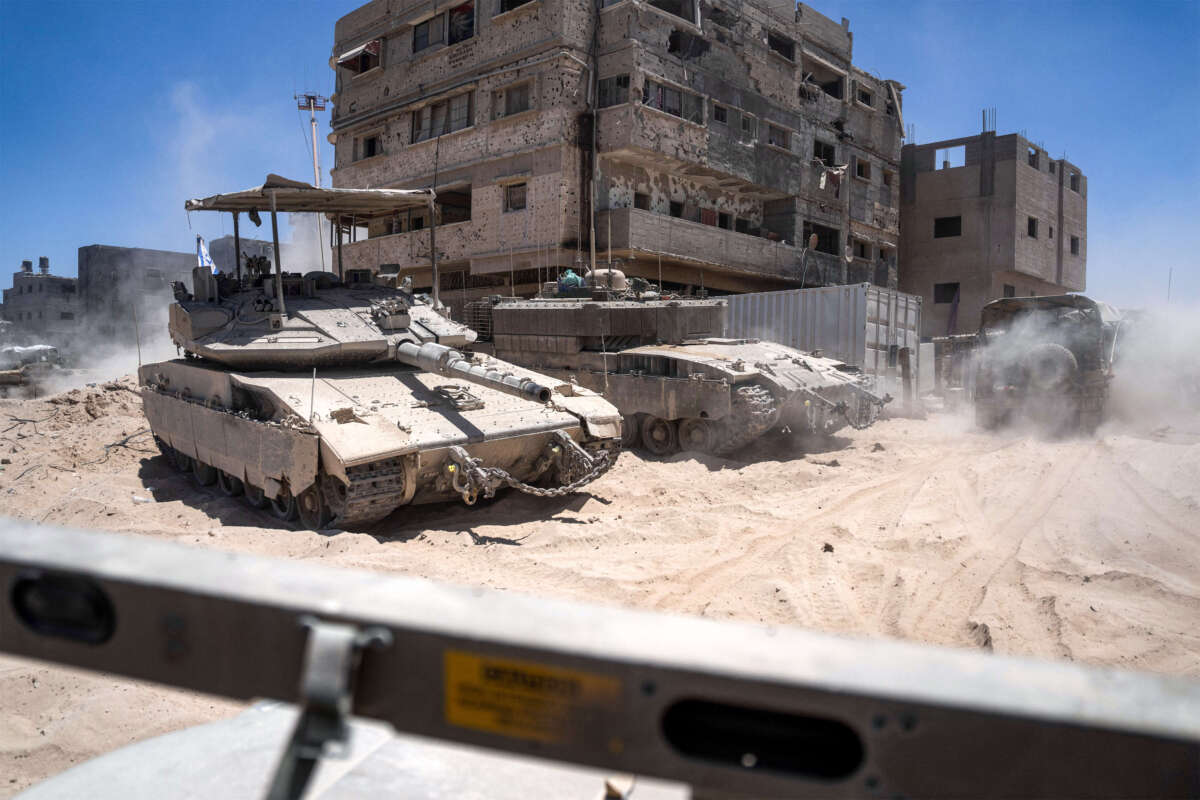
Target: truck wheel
{"type": "Point", "coordinates": [284, 506]}
{"type": "Point", "coordinates": [697, 435]}
{"type": "Point", "coordinates": [229, 485]}
{"type": "Point", "coordinates": [255, 497]}
{"type": "Point", "coordinates": [314, 513]}
{"type": "Point", "coordinates": [659, 436]}
{"type": "Point", "coordinates": [203, 474]}
{"type": "Point", "coordinates": [631, 431]}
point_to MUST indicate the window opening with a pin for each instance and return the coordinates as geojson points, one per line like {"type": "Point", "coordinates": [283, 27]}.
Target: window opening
{"type": "Point", "coordinates": [1010, 290]}
{"type": "Point", "coordinates": [866, 97]}
{"type": "Point", "coordinates": [454, 205]}
{"type": "Point", "coordinates": [676, 102]}
{"type": "Point", "coordinates": [724, 220]}
{"type": "Point", "coordinates": [504, 6]}
{"type": "Point", "coordinates": [862, 169]}
{"type": "Point", "coordinates": [749, 128]}
{"type": "Point", "coordinates": [680, 8]}
{"type": "Point", "coordinates": [438, 119]}
{"type": "Point", "coordinates": [944, 227]}
{"type": "Point", "coordinates": [513, 100]}
{"type": "Point", "coordinates": [828, 239]}
{"type": "Point", "coordinates": [461, 25]}
{"type": "Point", "coordinates": [862, 249]}
{"type": "Point", "coordinates": [1031, 226]}
{"type": "Point", "coordinates": [778, 136]}
{"type": "Point", "coordinates": [953, 157]}
{"type": "Point", "coordinates": [641, 201]}
{"type": "Point", "coordinates": [826, 153]}
{"type": "Point", "coordinates": [1074, 181]}
{"type": "Point", "coordinates": [363, 58]}
{"type": "Point", "coordinates": [720, 114]}
{"type": "Point", "coordinates": [945, 292]}
{"type": "Point", "coordinates": [613, 91]}
{"type": "Point", "coordinates": [888, 177]}
{"type": "Point", "coordinates": [1074, 245]}
{"type": "Point", "coordinates": [1033, 157]}
{"type": "Point", "coordinates": [781, 45]}
{"type": "Point", "coordinates": [676, 209]}
{"type": "Point", "coordinates": [827, 80]}
{"type": "Point", "coordinates": [514, 197]}
{"type": "Point", "coordinates": [428, 33]}
{"type": "Point", "coordinates": [370, 147]}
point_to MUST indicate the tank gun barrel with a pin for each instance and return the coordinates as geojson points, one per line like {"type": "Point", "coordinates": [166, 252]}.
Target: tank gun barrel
{"type": "Point", "coordinates": [453, 364]}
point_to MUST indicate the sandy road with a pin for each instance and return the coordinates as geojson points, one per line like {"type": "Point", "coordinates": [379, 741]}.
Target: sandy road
{"type": "Point", "coordinates": [924, 530]}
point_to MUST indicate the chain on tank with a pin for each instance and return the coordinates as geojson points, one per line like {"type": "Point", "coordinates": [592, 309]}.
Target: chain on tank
{"type": "Point", "coordinates": [471, 478]}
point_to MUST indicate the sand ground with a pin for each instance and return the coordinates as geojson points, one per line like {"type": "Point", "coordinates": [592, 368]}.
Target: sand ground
{"type": "Point", "coordinates": [927, 530]}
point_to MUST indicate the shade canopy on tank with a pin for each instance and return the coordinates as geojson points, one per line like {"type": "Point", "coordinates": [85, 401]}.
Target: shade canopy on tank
{"type": "Point", "coordinates": [296, 196]}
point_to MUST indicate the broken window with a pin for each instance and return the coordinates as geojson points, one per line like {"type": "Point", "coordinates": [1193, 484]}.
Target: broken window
{"type": "Point", "coordinates": [369, 146]}
{"type": "Point", "coordinates": [676, 102]}
{"type": "Point", "coordinates": [680, 8]}
{"type": "Point", "coordinates": [512, 100]}
{"type": "Point", "coordinates": [504, 6]}
{"type": "Point", "coordinates": [781, 45]}
{"type": "Point", "coordinates": [1074, 181]}
{"type": "Point", "coordinates": [954, 157]}
{"type": "Point", "coordinates": [866, 97]}
{"type": "Point", "coordinates": [945, 292]}
{"type": "Point", "coordinates": [361, 58]}
{"type": "Point", "coordinates": [724, 220]}
{"type": "Point", "coordinates": [1033, 157]}
{"type": "Point", "coordinates": [780, 137]}
{"type": "Point", "coordinates": [824, 152]}
{"type": "Point", "coordinates": [945, 227]}
{"type": "Point", "coordinates": [1010, 290]}
{"type": "Point", "coordinates": [825, 78]}
{"type": "Point", "coordinates": [720, 114]}
{"type": "Point", "coordinates": [719, 16]}
{"type": "Point", "coordinates": [1074, 245]}
{"type": "Point", "coordinates": [514, 197]}
{"type": "Point", "coordinates": [749, 127]}
{"type": "Point", "coordinates": [428, 33]}
{"type": "Point", "coordinates": [461, 23]}
{"type": "Point", "coordinates": [641, 201]}
{"type": "Point", "coordinates": [676, 209]}
{"type": "Point", "coordinates": [889, 177]}
{"type": "Point", "coordinates": [862, 168]}
{"type": "Point", "coordinates": [454, 205]}
{"type": "Point", "coordinates": [1031, 226]}
{"type": "Point", "coordinates": [438, 119]}
{"type": "Point", "coordinates": [862, 249]}
{"type": "Point", "coordinates": [613, 91]}
{"type": "Point", "coordinates": [741, 225]}
{"type": "Point", "coordinates": [828, 239]}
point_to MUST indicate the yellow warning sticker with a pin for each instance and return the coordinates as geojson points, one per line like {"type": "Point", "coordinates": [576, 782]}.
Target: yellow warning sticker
{"type": "Point", "coordinates": [522, 698]}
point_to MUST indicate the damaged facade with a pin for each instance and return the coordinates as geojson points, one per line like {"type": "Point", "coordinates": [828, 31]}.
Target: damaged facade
{"type": "Point", "coordinates": [720, 136]}
{"type": "Point", "coordinates": [41, 306]}
{"type": "Point", "coordinates": [985, 217]}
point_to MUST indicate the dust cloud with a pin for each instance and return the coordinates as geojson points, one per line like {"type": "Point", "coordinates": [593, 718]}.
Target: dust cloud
{"type": "Point", "coordinates": [1157, 373]}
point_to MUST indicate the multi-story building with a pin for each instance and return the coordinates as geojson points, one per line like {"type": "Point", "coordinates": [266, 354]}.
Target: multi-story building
{"type": "Point", "coordinates": [715, 137]}
{"type": "Point", "coordinates": [42, 306]}
{"type": "Point", "coordinates": [985, 217]}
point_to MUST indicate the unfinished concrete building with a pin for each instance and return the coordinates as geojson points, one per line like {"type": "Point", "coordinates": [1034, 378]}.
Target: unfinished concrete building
{"type": "Point", "coordinates": [985, 217]}
{"type": "Point", "coordinates": [42, 307]}
{"type": "Point", "coordinates": [716, 137]}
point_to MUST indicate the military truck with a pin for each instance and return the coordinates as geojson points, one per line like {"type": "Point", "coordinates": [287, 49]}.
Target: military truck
{"type": "Point", "coordinates": [662, 360]}
{"type": "Point", "coordinates": [339, 401]}
{"type": "Point", "coordinates": [1047, 359]}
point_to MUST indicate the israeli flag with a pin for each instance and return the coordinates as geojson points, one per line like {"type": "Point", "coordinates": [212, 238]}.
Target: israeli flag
{"type": "Point", "coordinates": [203, 259]}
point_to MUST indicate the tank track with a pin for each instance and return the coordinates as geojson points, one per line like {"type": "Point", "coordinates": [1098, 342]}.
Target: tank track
{"type": "Point", "coordinates": [375, 490]}
{"type": "Point", "coordinates": [755, 412]}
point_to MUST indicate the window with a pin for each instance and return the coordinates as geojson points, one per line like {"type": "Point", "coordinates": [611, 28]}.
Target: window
{"type": "Point", "coordinates": [428, 33]}
{"type": "Point", "coordinates": [641, 200]}
{"type": "Point", "coordinates": [825, 153]}
{"type": "Point", "coordinates": [66, 315]}
{"type": "Point", "coordinates": [862, 249]}
{"type": "Point", "coordinates": [1074, 245]}
{"type": "Point", "coordinates": [945, 292]}
{"type": "Point", "coordinates": [514, 197]}
{"type": "Point", "coordinates": [504, 6]}
{"type": "Point", "coordinates": [1031, 227]}
{"type": "Point", "coordinates": [828, 239]}
{"type": "Point", "coordinates": [369, 146]}
{"type": "Point", "coordinates": [749, 128]}
{"type": "Point", "coordinates": [362, 58]}
{"type": "Point", "coordinates": [724, 220]}
{"type": "Point", "coordinates": [780, 137]}
{"type": "Point", "coordinates": [741, 225]}
{"type": "Point", "coordinates": [1051, 236]}
{"type": "Point", "coordinates": [953, 157]}
{"type": "Point", "coordinates": [674, 101]}
{"type": "Point", "coordinates": [613, 91]}
{"type": "Point", "coordinates": [454, 205]}
{"type": "Point", "coordinates": [441, 118]}
{"type": "Point", "coordinates": [1052, 167]}
{"type": "Point", "coordinates": [889, 177]}
{"type": "Point", "coordinates": [512, 100]}
{"type": "Point", "coordinates": [720, 114]}
{"type": "Point", "coordinates": [680, 8]}
{"type": "Point", "coordinates": [1033, 157]}
{"type": "Point", "coordinates": [1074, 181]}
{"type": "Point", "coordinates": [828, 80]}
{"type": "Point", "coordinates": [781, 45]}
{"type": "Point", "coordinates": [461, 23]}
{"type": "Point", "coordinates": [1010, 290]}
{"type": "Point", "coordinates": [865, 97]}
{"type": "Point", "coordinates": [944, 227]}
{"type": "Point", "coordinates": [862, 168]}
{"type": "Point", "coordinates": [676, 209]}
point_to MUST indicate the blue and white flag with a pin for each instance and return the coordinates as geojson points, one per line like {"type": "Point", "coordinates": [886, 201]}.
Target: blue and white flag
{"type": "Point", "coordinates": [203, 259]}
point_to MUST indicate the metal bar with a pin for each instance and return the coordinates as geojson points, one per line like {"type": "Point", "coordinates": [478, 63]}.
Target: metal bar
{"type": "Point", "coordinates": [731, 708]}
{"type": "Point", "coordinates": [341, 273]}
{"type": "Point", "coordinates": [237, 250]}
{"type": "Point", "coordinates": [278, 262]}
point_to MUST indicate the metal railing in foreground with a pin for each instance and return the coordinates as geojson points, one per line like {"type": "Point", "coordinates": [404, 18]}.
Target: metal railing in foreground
{"type": "Point", "coordinates": [732, 709]}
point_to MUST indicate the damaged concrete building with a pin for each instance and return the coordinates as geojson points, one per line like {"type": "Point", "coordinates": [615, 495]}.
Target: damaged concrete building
{"type": "Point", "coordinates": [715, 137]}
{"type": "Point", "coordinates": [42, 307]}
{"type": "Point", "coordinates": [984, 217]}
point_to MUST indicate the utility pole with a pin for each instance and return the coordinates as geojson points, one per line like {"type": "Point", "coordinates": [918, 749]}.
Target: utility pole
{"type": "Point", "coordinates": [315, 103]}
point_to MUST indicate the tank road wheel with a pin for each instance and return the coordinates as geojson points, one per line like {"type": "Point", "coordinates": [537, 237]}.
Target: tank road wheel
{"type": "Point", "coordinates": [659, 436]}
{"type": "Point", "coordinates": [697, 435]}
{"type": "Point", "coordinates": [631, 431]}
{"type": "Point", "coordinates": [229, 485]}
{"type": "Point", "coordinates": [284, 506]}
{"type": "Point", "coordinates": [203, 474]}
{"type": "Point", "coordinates": [314, 512]}
{"type": "Point", "coordinates": [255, 497]}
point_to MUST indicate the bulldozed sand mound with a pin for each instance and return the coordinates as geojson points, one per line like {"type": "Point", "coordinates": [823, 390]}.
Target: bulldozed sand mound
{"type": "Point", "coordinates": [928, 530]}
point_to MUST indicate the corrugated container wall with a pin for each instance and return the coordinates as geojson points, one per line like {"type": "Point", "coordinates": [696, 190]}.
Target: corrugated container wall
{"type": "Point", "coordinates": [860, 324]}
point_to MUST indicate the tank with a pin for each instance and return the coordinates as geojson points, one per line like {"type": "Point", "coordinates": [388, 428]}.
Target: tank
{"type": "Point", "coordinates": [339, 401]}
{"type": "Point", "coordinates": [662, 362]}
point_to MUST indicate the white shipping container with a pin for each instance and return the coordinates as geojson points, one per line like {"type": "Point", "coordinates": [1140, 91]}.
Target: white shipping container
{"type": "Point", "coordinates": [860, 324]}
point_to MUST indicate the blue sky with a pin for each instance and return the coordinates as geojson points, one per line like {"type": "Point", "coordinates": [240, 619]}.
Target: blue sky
{"type": "Point", "coordinates": [116, 112]}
